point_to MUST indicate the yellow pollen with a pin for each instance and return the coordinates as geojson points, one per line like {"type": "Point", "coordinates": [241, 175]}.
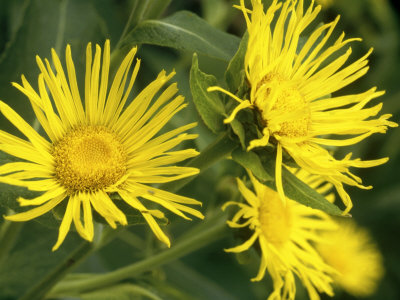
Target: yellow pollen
{"type": "Point", "coordinates": [290, 114]}
{"type": "Point", "coordinates": [89, 158]}
{"type": "Point", "coordinates": [275, 219]}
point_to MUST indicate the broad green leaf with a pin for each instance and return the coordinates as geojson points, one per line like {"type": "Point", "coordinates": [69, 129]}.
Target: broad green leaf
{"type": "Point", "coordinates": [251, 161]}
{"type": "Point", "coordinates": [234, 75]}
{"type": "Point", "coordinates": [297, 190]}
{"type": "Point", "coordinates": [31, 258]}
{"type": "Point", "coordinates": [185, 31]}
{"type": "Point", "coordinates": [208, 104]}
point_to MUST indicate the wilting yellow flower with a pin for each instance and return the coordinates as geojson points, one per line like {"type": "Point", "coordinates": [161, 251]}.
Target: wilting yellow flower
{"type": "Point", "coordinates": [285, 234]}
{"type": "Point", "coordinates": [106, 147]}
{"type": "Point", "coordinates": [290, 86]}
{"type": "Point", "coordinates": [351, 251]}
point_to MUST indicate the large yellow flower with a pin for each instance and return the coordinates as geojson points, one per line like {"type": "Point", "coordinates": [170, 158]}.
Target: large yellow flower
{"type": "Point", "coordinates": [285, 234]}
{"type": "Point", "coordinates": [352, 252]}
{"type": "Point", "coordinates": [290, 86]}
{"type": "Point", "coordinates": [106, 147]}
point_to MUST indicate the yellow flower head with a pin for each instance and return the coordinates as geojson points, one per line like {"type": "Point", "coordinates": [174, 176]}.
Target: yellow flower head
{"type": "Point", "coordinates": [106, 146]}
{"type": "Point", "coordinates": [290, 86]}
{"type": "Point", "coordinates": [285, 234]}
{"type": "Point", "coordinates": [351, 251]}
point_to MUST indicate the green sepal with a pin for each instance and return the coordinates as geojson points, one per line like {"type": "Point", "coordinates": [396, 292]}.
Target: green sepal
{"type": "Point", "coordinates": [235, 74]}
{"type": "Point", "coordinates": [252, 162]}
{"type": "Point", "coordinates": [208, 104]}
{"type": "Point", "coordinates": [238, 129]}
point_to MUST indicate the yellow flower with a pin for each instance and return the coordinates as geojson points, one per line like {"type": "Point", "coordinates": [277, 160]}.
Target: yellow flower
{"type": "Point", "coordinates": [285, 234]}
{"type": "Point", "coordinates": [107, 146]}
{"type": "Point", "coordinates": [290, 86]}
{"type": "Point", "coordinates": [351, 251]}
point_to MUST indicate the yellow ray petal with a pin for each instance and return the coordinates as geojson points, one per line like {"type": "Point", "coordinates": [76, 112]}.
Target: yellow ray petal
{"type": "Point", "coordinates": [65, 225]}
{"type": "Point", "coordinates": [37, 211]}
{"type": "Point", "coordinates": [135, 203]}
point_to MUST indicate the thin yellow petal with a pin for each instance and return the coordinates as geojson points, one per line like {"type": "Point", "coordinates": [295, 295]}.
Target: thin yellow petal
{"type": "Point", "coordinates": [65, 225]}
{"type": "Point", "coordinates": [132, 201]}
{"type": "Point", "coordinates": [35, 212]}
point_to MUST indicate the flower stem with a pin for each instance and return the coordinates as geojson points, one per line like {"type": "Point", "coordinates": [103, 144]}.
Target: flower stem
{"type": "Point", "coordinates": [213, 231]}
{"type": "Point", "coordinates": [156, 8]}
{"type": "Point", "coordinates": [136, 15]}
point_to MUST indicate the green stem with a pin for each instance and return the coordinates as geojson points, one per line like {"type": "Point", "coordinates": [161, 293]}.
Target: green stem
{"type": "Point", "coordinates": [157, 8]}
{"type": "Point", "coordinates": [187, 245]}
{"type": "Point", "coordinates": [217, 150]}
{"type": "Point", "coordinates": [9, 232]}
{"type": "Point", "coordinates": [137, 13]}
{"type": "Point", "coordinates": [128, 24]}
{"type": "Point", "coordinates": [61, 25]}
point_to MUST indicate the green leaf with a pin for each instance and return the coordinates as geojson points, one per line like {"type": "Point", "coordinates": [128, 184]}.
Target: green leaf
{"type": "Point", "coordinates": [32, 258]}
{"type": "Point", "coordinates": [208, 104]}
{"type": "Point", "coordinates": [299, 191]}
{"type": "Point", "coordinates": [234, 75]}
{"type": "Point", "coordinates": [185, 31]}
{"type": "Point", "coordinates": [251, 161]}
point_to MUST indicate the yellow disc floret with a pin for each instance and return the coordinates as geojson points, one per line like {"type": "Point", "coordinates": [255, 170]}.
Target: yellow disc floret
{"type": "Point", "coordinates": [275, 218]}
{"type": "Point", "coordinates": [89, 158]}
{"type": "Point", "coordinates": [283, 108]}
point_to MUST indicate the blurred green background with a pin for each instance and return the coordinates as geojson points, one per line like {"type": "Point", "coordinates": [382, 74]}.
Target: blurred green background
{"type": "Point", "coordinates": [33, 27]}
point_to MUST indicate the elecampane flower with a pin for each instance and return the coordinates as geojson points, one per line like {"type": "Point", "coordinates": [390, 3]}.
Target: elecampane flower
{"type": "Point", "coordinates": [285, 234]}
{"type": "Point", "coordinates": [291, 81]}
{"type": "Point", "coordinates": [106, 146]}
{"type": "Point", "coordinates": [352, 252]}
